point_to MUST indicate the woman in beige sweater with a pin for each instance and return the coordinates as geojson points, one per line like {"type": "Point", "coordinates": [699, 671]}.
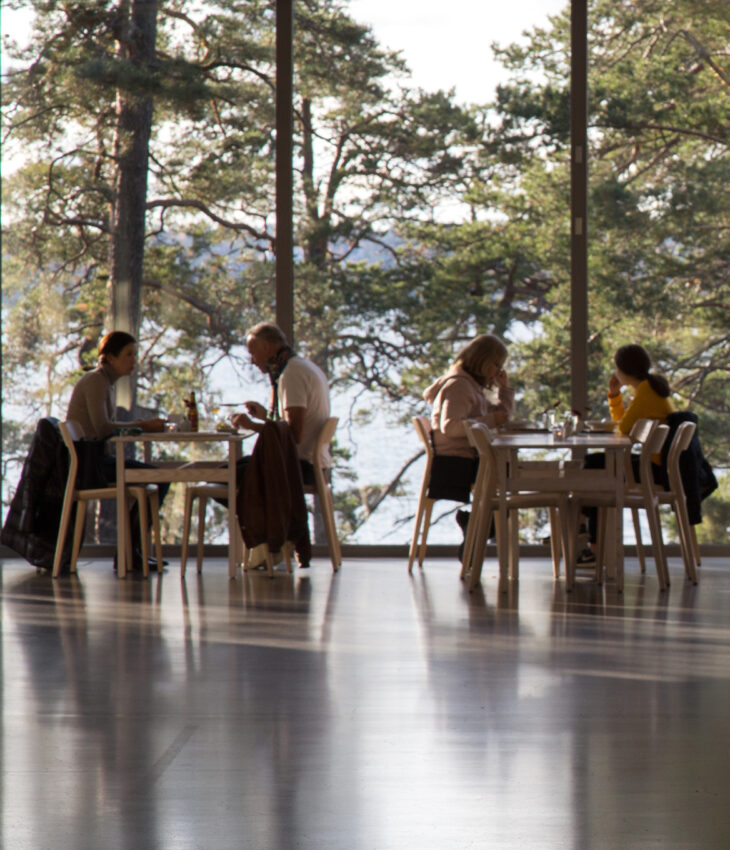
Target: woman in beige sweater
{"type": "Point", "coordinates": [461, 394]}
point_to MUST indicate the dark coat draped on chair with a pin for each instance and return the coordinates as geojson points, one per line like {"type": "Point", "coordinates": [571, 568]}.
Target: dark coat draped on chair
{"type": "Point", "coordinates": [31, 526]}
{"type": "Point", "coordinates": [270, 503]}
{"type": "Point", "coordinates": [698, 479]}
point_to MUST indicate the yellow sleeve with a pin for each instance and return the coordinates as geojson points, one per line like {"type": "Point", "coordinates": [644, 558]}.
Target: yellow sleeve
{"type": "Point", "coordinates": [616, 407]}
{"type": "Point", "coordinates": [646, 405]}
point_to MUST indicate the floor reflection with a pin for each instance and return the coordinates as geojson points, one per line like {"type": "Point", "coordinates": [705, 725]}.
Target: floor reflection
{"type": "Point", "coordinates": [364, 709]}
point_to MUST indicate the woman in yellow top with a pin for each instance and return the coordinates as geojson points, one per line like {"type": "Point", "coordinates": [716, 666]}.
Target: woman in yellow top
{"type": "Point", "coordinates": [651, 391]}
{"type": "Point", "coordinates": [651, 401]}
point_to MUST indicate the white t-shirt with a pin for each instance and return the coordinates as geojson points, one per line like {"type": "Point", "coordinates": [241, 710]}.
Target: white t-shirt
{"type": "Point", "coordinates": [303, 384]}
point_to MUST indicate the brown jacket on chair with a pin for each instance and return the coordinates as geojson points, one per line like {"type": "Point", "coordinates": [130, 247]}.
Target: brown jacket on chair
{"type": "Point", "coordinates": [270, 502]}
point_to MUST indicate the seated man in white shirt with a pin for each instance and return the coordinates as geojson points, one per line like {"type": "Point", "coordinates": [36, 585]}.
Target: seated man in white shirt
{"type": "Point", "coordinates": [300, 393]}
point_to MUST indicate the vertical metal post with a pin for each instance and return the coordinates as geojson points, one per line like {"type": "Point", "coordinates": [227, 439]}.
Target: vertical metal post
{"type": "Point", "coordinates": [284, 179]}
{"type": "Point", "coordinates": [579, 204]}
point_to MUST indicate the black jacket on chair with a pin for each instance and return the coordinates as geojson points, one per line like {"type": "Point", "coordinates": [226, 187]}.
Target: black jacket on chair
{"type": "Point", "coordinates": [31, 526]}
{"type": "Point", "coordinates": [698, 479]}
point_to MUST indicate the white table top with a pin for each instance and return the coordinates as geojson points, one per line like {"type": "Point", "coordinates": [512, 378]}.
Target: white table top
{"type": "Point", "coordinates": [547, 440]}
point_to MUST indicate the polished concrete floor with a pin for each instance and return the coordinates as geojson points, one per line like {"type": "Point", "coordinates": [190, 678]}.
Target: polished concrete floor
{"type": "Point", "coordinates": [364, 710]}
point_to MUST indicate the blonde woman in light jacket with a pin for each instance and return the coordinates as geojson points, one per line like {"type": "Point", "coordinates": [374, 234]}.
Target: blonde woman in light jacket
{"type": "Point", "coordinates": [460, 394]}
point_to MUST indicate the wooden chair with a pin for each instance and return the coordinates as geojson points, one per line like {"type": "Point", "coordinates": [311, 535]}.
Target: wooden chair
{"type": "Point", "coordinates": [675, 498]}
{"type": "Point", "coordinates": [322, 489]}
{"type": "Point", "coordinates": [650, 435]}
{"type": "Point", "coordinates": [71, 432]}
{"type": "Point", "coordinates": [486, 502]}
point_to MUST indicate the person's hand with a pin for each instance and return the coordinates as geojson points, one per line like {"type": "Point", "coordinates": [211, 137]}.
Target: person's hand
{"type": "Point", "coordinates": [500, 417]}
{"type": "Point", "coordinates": [241, 420]}
{"type": "Point", "coordinates": [501, 379]}
{"type": "Point", "coordinates": [255, 409]}
{"type": "Point", "coordinates": [153, 425]}
{"type": "Point", "coordinates": [614, 386]}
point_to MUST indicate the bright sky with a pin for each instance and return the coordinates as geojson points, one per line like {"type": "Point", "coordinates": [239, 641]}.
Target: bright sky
{"type": "Point", "coordinates": [444, 43]}
{"type": "Point", "coordinates": [448, 43]}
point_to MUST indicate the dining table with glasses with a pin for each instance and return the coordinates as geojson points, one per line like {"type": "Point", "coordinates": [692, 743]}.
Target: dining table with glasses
{"type": "Point", "coordinates": [517, 473]}
{"type": "Point", "coordinates": [217, 471]}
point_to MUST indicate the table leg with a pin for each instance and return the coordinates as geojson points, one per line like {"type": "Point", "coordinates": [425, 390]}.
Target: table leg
{"type": "Point", "coordinates": [502, 523]}
{"type": "Point", "coordinates": [233, 452]}
{"type": "Point", "coordinates": [618, 467]}
{"type": "Point", "coordinates": [615, 520]}
{"type": "Point", "coordinates": [122, 513]}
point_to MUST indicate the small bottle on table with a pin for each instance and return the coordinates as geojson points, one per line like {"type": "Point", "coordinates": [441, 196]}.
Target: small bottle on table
{"type": "Point", "coordinates": [192, 412]}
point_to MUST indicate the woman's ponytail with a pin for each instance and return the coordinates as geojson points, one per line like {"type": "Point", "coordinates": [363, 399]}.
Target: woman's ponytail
{"type": "Point", "coordinates": [659, 384]}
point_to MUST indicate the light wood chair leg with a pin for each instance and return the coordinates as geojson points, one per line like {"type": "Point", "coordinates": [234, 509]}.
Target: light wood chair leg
{"type": "Point", "coordinates": [685, 542]}
{"type": "Point", "coordinates": [154, 499]}
{"type": "Point", "coordinates": [328, 515]}
{"type": "Point", "coordinates": [472, 530]}
{"type": "Point", "coordinates": [186, 530]}
{"type": "Point", "coordinates": [202, 505]}
{"type": "Point", "coordinates": [556, 540]}
{"type": "Point", "coordinates": [657, 544]}
{"type": "Point", "coordinates": [335, 539]}
{"type": "Point", "coordinates": [78, 533]}
{"type": "Point", "coordinates": [639, 542]}
{"type": "Point", "coordinates": [695, 545]}
{"type": "Point", "coordinates": [479, 548]}
{"type": "Point", "coordinates": [420, 511]}
{"type": "Point", "coordinates": [424, 533]}
{"type": "Point", "coordinates": [66, 511]}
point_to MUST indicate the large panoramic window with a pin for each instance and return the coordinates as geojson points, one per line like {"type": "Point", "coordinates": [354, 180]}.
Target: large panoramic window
{"type": "Point", "coordinates": [431, 192]}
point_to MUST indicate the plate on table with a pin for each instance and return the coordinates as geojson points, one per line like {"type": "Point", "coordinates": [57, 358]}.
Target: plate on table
{"type": "Point", "coordinates": [225, 428]}
{"type": "Point", "coordinates": [600, 425]}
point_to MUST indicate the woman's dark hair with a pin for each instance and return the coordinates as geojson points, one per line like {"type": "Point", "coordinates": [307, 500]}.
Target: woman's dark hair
{"type": "Point", "coordinates": [114, 343]}
{"type": "Point", "coordinates": [633, 360]}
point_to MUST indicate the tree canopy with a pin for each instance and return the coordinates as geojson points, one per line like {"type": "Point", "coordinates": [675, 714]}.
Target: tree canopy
{"type": "Point", "coordinates": [419, 221]}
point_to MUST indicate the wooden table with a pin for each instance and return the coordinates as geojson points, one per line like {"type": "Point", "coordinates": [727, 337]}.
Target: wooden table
{"type": "Point", "coordinates": [207, 471]}
{"type": "Point", "coordinates": [512, 478]}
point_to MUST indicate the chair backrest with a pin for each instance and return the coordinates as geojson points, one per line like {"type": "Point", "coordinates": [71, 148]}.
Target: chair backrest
{"type": "Point", "coordinates": [324, 438]}
{"type": "Point", "coordinates": [642, 430]}
{"type": "Point", "coordinates": [682, 438]}
{"type": "Point", "coordinates": [649, 448]}
{"type": "Point", "coordinates": [640, 434]}
{"type": "Point", "coordinates": [479, 437]}
{"type": "Point", "coordinates": [423, 429]}
{"type": "Point", "coordinates": [71, 431]}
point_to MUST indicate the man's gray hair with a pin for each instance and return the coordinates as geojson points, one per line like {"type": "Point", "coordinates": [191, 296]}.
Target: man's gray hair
{"type": "Point", "coordinates": [269, 332]}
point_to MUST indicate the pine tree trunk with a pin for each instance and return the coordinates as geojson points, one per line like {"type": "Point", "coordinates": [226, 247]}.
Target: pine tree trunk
{"type": "Point", "coordinates": [131, 149]}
